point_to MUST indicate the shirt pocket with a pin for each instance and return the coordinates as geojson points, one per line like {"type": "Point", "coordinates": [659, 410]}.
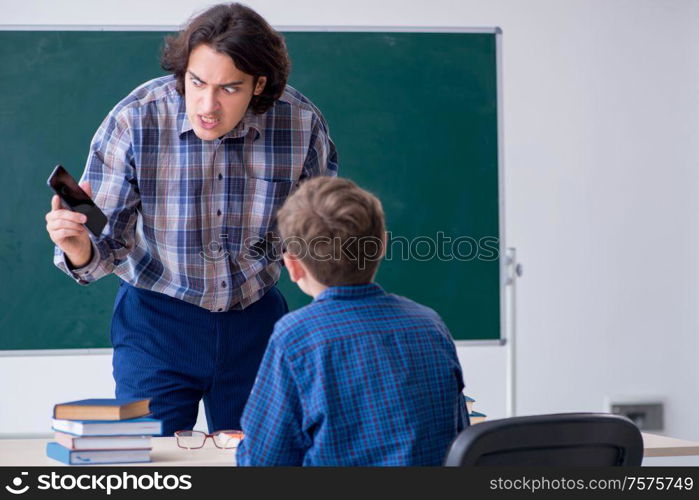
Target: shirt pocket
{"type": "Point", "coordinates": [260, 204]}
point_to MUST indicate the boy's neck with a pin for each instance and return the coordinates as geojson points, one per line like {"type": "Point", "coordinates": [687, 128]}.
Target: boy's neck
{"type": "Point", "coordinates": [315, 289]}
{"type": "Point", "coordinates": [308, 283]}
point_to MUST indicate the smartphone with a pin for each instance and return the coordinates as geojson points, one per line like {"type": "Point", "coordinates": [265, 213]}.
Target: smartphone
{"type": "Point", "coordinates": [77, 200]}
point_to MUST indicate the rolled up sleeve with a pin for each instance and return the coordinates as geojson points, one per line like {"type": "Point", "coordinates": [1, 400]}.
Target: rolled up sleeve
{"type": "Point", "coordinates": [111, 172]}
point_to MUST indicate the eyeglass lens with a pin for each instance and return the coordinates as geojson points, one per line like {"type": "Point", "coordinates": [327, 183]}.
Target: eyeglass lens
{"type": "Point", "coordinates": [227, 439]}
{"type": "Point", "coordinates": [190, 439]}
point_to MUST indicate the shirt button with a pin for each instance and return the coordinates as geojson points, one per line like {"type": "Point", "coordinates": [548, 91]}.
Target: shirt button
{"type": "Point", "coordinates": [223, 284]}
{"type": "Point", "coordinates": [218, 213]}
{"type": "Point", "coordinates": [220, 176]}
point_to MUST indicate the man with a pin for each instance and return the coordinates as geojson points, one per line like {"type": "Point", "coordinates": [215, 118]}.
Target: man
{"type": "Point", "coordinates": [190, 170]}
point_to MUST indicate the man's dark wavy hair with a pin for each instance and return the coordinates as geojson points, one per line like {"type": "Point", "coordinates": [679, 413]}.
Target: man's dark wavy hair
{"type": "Point", "coordinates": [241, 33]}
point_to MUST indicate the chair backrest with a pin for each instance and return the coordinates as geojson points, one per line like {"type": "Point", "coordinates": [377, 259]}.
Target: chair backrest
{"type": "Point", "coordinates": [564, 439]}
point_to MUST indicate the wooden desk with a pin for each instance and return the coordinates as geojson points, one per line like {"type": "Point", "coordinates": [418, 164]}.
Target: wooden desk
{"type": "Point", "coordinates": [32, 452]}
{"type": "Point", "coordinates": [165, 453]}
{"type": "Point", "coordinates": [661, 446]}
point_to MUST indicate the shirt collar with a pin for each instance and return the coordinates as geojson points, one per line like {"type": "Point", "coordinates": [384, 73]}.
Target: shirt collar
{"type": "Point", "coordinates": [250, 121]}
{"type": "Point", "coordinates": [350, 292]}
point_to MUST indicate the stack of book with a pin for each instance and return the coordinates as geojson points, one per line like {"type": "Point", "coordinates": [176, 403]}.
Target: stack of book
{"type": "Point", "coordinates": [475, 417]}
{"type": "Point", "coordinates": [103, 431]}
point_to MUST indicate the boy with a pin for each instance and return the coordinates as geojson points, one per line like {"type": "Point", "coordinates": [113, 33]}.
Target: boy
{"type": "Point", "coordinates": [358, 377]}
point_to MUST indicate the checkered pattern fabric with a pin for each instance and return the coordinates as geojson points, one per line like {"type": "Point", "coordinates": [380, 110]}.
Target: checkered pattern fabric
{"type": "Point", "coordinates": [194, 219]}
{"type": "Point", "coordinates": [357, 378]}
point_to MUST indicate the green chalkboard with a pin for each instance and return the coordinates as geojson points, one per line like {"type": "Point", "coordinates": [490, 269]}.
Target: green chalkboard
{"type": "Point", "coordinates": [413, 115]}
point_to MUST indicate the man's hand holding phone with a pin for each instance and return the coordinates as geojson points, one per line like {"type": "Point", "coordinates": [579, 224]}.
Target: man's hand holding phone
{"type": "Point", "coordinates": [66, 229]}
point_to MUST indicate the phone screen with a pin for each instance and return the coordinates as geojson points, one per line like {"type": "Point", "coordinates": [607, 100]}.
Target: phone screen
{"type": "Point", "coordinates": [69, 191]}
{"type": "Point", "coordinates": [77, 200]}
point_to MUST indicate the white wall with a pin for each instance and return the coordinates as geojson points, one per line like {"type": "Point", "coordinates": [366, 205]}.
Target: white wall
{"type": "Point", "coordinates": [601, 135]}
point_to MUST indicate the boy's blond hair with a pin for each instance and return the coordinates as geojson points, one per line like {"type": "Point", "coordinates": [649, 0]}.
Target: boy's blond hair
{"type": "Point", "coordinates": [336, 229]}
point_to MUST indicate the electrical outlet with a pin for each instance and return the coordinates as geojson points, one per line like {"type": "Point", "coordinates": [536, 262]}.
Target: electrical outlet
{"type": "Point", "coordinates": [647, 416]}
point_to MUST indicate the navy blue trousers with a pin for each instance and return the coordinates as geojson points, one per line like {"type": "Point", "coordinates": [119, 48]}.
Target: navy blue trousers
{"type": "Point", "coordinates": [177, 353]}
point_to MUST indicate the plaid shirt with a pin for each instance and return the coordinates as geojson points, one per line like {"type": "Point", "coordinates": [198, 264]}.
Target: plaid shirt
{"type": "Point", "coordinates": [194, 219]}
{"type": "Point", "coordinates": [358, 377]}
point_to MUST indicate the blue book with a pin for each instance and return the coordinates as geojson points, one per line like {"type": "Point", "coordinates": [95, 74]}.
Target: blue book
{"type": "Point", "coordinates": [88, 457]}
{"type": "Point", "coordinates": [133, 427]}
{"type": "Point", "coordinates": [102, 409]}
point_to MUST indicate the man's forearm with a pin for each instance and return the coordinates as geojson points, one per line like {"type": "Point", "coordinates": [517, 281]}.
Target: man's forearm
{"type": "Point", "coordinates": [81, 258]}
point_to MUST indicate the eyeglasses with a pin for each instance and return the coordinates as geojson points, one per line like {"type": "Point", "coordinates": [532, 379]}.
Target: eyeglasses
{"type": "Point", "coordinates": [193, 440]}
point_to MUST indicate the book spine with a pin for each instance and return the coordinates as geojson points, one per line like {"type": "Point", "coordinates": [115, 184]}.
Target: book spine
{"type": "Point", "coordinates": [58, 452]}
{"type": "Point", "coordinates": [65, 440]}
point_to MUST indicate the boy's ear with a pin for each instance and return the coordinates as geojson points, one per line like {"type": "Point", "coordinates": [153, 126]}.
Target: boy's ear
{"type": "Point", "coordinates": [293, 265]}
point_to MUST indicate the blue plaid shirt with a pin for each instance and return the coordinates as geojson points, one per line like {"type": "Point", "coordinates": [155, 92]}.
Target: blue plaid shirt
{"type": "Point", "coordinates": [194, 219]}
{"type": "Point", "coordinates": [358, 377]}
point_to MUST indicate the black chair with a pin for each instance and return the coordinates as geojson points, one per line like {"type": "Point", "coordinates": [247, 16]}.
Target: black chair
{"type": "Point", "coordinates": [565, 439]}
